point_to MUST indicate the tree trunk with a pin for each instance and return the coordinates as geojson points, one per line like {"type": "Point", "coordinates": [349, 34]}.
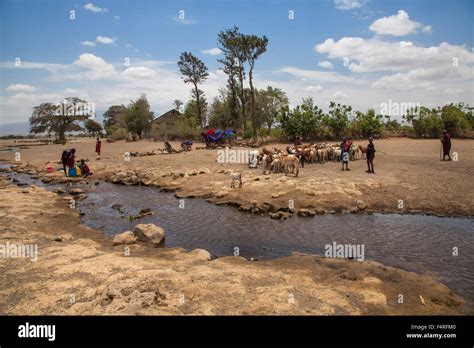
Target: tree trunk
{"type": "Point", "coordinates": [252, 98]}
{"type": "Point", "coordinates": [242, 98]}
{"type": "Point", "coordinates": [198, 102]}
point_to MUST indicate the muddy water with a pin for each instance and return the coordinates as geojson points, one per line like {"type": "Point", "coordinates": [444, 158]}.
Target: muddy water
{"type": "Point", "coordinates": [423, 244]}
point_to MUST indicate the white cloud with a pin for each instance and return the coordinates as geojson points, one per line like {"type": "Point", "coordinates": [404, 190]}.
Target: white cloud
{"type": "Point", "coordinates": [105, 40]}
{"type": "Point", "coordinates": [340, 95]}
{"type": "Point", "coordinates": [313, 88]}
{"type": "Point", "coordinates": [371, 55]}
{"type": "Point", "coordinates": [322, 76]}
{"type": "Point", "coordinates": [117, 17]}
{"type": "Point", "coordinates": [427, 29]}
{"type": "Point", "coordinates": [96, 67]}
{"type": "Point", "coordinates": [213, 51]}
{"type": "Point", "coordinates": [325, 64]}
{"type": "Point", "coordinates": [397, 25]}
{"type": "Point", "coordinates": [139, 72]}
{"type": "Point", "coordinates": [348, 4]}
{"type": "Point", "coordinates": [88, 43]}
{"type": "Point", "coordinates": [21, 88]}
{"type": "Point", "coordinates": [93, 8]}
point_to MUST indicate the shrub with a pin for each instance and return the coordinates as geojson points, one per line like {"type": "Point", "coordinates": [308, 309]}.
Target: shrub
{"type": "Point", "coordinates": [119, 134]}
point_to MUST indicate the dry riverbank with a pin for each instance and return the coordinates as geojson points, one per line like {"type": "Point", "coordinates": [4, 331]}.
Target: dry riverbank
{"type": "Point", "coordinates": [79, 271]}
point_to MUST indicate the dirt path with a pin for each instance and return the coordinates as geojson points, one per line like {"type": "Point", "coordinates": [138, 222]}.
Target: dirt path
{"type": "Point", "coordinates": [84, 274]}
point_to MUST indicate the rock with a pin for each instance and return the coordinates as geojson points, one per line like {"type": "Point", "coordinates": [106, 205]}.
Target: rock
{"type": "Point", "coordinates": [22, 184]}
{"type": "Point", "coordinates": [149, 233]}
{"type": "Point", "coordinates": [15, 180]}
{"type": "Point", "coordinates": [98, 158]}
{"type": "Point", "coordinates": [97, 183]}
{"type": "Point", "coordinates": [142, 213]}
{"type": "Point", "coordinates": [124, 238]}
{"type": "Point", "coordinates": [58, 191]}
{"type": "Point", "coordinates": [81, 197]}
{"type": "Point", "coordinates": [25, 191]}
{"type": "Point", "coordinates": [309, 192]}
{"type": "Point", "coordinates": [221, 194]}
{"type": "Point", "coordinates": [280, 215]}
{"type": "Point", "coordinates": [361, 205]}
{"type": "Point", "coordinates": [303, 212]}
{"type": "Point", "coordinates": [201, 254]}
{"type": "Point", "coordinates": [275, 195]}
{"type": "Point", "coordinates": [57, 239]}
{"type": "Point", "coordinates": [204, 171]}
{"type": "Point", "coordinates": [76, 191]}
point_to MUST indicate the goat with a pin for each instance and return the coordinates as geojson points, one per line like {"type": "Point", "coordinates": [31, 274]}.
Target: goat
{"type": "Point", "coordinates": [363, 151]}
{"type": "Point", "coordinates": [235, 176]}
{"type": "Point", "coordinates": [290, 161]}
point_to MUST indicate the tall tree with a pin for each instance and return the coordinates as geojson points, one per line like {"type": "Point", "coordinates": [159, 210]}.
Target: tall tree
{"type": "Point", "coordinates": [114, 118]}
{"type": "Point", "coordinates": [254, 47]}
{"type": "Point", "coordinates": [231, 68]}
{"type": "Point", "coordinates": [232, 43]}
{"type": "Point", "coordinates": [60, 118]}
{"type": "Point", "coordinates": [195, 72]}
{"type": "Point", "coordinates": [139, 115]}
{"type": "Point", "coordinates": [272, 101]}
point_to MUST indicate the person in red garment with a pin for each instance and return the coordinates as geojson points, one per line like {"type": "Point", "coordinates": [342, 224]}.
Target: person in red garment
{"type": "Point", "coordinates": [98, 145]}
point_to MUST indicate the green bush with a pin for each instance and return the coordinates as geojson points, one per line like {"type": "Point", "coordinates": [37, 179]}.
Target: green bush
{"type": "Point", "coordinates": [119, 134]}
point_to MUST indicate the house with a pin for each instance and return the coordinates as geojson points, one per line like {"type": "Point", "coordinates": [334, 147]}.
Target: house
{"type": "Point", "coordinates": [160, 126]}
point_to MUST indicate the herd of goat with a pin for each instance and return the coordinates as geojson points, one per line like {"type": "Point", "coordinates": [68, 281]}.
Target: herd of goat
{"type": "Point", "coordinates": [278, 161]}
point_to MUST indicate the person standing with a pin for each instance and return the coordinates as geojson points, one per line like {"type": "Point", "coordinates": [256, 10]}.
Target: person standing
{"type": "Point", "coordinates": [446, 141]}
{"type": "Point", "coordinates": [98, 146]}
{"type": "Point", "coordinates": [345, 148]}
{"type": "Point", "coordinates": [370, 156]}
{"type": "Point", "coordinates": [298, 141]}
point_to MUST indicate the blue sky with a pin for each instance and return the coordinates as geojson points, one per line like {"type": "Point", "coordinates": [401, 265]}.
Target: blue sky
{"type": "Point", "coordinates": [394, 50]}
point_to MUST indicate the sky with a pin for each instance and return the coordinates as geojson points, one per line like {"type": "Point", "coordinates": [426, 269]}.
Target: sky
{"type": "Point", "coordinates": [359, 52]}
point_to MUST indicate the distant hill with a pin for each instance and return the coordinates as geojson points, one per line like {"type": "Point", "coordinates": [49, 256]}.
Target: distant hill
{"type": "Point", "coordinates": [20, 128]}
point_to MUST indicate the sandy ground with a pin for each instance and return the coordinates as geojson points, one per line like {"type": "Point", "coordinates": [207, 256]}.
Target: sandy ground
{"type": "Point", "coordinates": [84, 274]}
{"type": "Point", "coordinates": [409, 177]}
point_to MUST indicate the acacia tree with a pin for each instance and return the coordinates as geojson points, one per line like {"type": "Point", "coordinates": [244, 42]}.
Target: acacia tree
{"type": "Point", "coordinates": [93, 127]}
{"type": "Point", "coordinates": [60, 118]}
{"type": "Point", "coordinates": [232, 43]}
{"type": "Point", "coordinates": [254, 47]}
{"type": "Point", "coordinates": [194, 71]}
